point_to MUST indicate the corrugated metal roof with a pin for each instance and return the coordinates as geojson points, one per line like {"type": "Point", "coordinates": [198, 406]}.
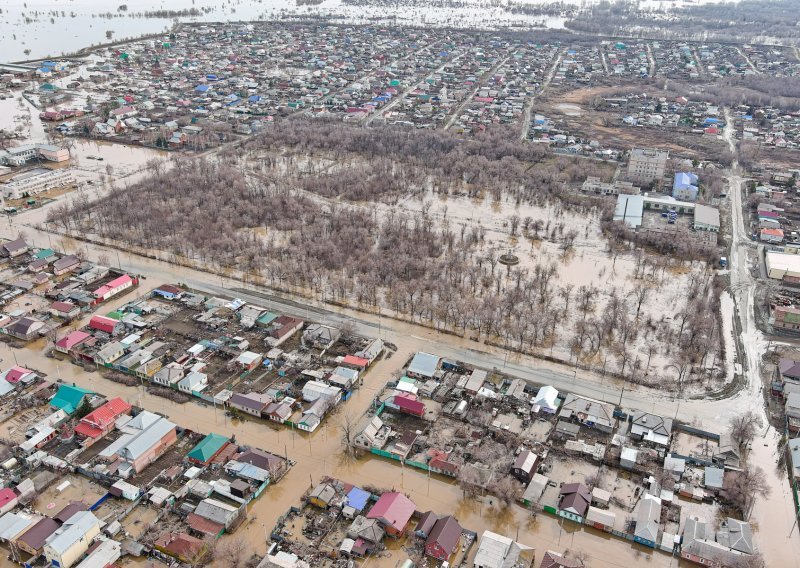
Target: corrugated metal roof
{"type": "Point", "coordinates": [208, 447]}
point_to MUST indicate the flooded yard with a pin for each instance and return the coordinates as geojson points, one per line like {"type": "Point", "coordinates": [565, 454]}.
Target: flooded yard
{"type": "Point", "coordinates": [66, 489]}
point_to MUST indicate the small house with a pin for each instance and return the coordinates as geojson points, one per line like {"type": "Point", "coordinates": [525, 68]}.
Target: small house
{"type": "Point", "coordinates": [525, 466]}
{"type": "Point", "coordinates": [574, 500]}
{"type": "Point", "coordinates": [393, 510]}
{"type": "Point", "coordinates": [208, 448]}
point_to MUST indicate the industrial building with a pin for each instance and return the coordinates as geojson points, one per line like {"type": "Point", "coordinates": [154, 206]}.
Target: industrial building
{"type": "Point", "coordinates": [783, 265]}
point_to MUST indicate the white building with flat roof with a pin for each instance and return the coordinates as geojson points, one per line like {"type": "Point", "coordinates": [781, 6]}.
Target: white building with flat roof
{"type": "Point", "coordinates": [629, 210]}
{"type": "Point", "coordinates": [36, 181]}
{"type": "Point", "coordinates": [782, 266]}
{"type": "Point", "coordinates": [706, 218]}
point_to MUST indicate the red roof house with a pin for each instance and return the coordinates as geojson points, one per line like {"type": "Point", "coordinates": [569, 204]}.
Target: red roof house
{"type": "Point", "coordinates": [182, 546]}
{"type": "Point", "coordinates": [393, 510]}
{"type": "Point", "coordinates": [66, 343]}
{"type": "Point", "coordinates": [114, 287]}
{"type": "Point", "coordinates": [8, 500]}
{"type": "Point", "coordinates": [443, 538]}
{"type": "Point", "coordinates": [102, 323]}
{"type": "Point", "coordinates": [100, 421]}
{"type": "Point", "coordinates": [408, 403]}
{"type": "Point", "coordinates": [64, 309]}
{"type": "Point", "coordinates": [204, 526]}
{"type": "Point", "coordinates": [355, 362]}
{"type": "Point", "coordinates": [16, 374]}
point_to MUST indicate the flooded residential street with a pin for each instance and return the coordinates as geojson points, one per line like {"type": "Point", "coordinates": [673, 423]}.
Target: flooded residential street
{"type": "Point", "coordinates": [734, 385]}
{"type": "Point", "coordinates": [320, 454]}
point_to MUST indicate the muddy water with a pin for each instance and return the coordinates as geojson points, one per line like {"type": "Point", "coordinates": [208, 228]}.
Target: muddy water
{"type": "Point", "coordinates": [319, 454]}
{"type": "Point", "coordinates": [773, 517]}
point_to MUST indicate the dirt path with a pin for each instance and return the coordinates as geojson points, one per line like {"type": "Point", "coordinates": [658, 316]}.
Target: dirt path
{"type": "Point", "coordinates": [701, 71]}
{"type": "Point", "coordinates": [651, 60]}
{"type": "Point", "coordinates": [382, 112]}
{"type": "Point", "coordinates": [478, 84]}
{"type": "Point", "coordinates": [747, 59]}
{"type": "Point", "coordinates": [526, 116]}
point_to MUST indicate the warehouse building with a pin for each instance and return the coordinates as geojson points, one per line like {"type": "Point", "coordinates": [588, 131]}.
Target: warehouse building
{"type": "Point", "coordinates": [783, 266]}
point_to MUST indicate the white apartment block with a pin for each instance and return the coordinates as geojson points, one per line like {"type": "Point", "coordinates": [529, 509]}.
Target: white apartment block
{"type": "Point", "coordinates": [36, 181]}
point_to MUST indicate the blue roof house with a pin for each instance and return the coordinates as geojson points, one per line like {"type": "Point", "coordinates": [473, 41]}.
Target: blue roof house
{"type": "Point", "coordinates": [684, 187]}
{"type": "Point", "coordinates": [358, 498]}
{"type": "Point", "coordinates": [357, 501]}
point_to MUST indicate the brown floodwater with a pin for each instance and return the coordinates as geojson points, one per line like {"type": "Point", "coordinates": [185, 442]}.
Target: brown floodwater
{"type": "Point", "coordinates": [319, 454]}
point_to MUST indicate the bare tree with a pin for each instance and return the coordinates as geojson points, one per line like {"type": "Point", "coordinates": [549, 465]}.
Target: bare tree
{"type": "Point", "coordinates": [743, 427]}
{"type": "Point", "coordinates": [506, 488]}
{"type": "Point", "coordinates": [640, 293]}
{"type": "Point", "coordinates": [348, 428]}
{"type": "Point", "coordinates": [232, 552]}
{"type": "Point", "coordinates": [469, 480]}
{"type": "Point", "coordinates": [743, 487]}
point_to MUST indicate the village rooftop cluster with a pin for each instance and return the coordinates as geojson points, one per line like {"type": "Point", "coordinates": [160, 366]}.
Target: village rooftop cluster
{"type": "Point", "coordinates": [89, 479]}
{"type": "Point", "coordinates": [225, 352]}
{"type": "Point", "coordinates": [42, 291]}
{"type": "Point", "coordinates": [203, 85]}
{"type": "Point", "coordinates": [636, 475]}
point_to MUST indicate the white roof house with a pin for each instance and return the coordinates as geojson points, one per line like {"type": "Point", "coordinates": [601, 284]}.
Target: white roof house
{"type": "Point", "coordinates": [648, 518]}
{"type": "Point", "coordinates": [12, 524]}
{"type": "Point", "coordinates": [313, 390]}
{"type": "Point", "coordinates": [72, 538]}
{"type": "Point", "coordinates": [794, 447]}
{"type": "Point", "coordinates": [41, 435]}
{"type": "Point", "coordinates": [602, 516]}
{"type": "Point", "coordinates": [535, 488]}
{"type": "Point", "coordinates": [475, 381]}
{"type": "Point", "coordinates": [216, 511]}
{"type": "Point", "coordinates": [282, 560]}
{"type": "Point", "coordinates": [546, 399]}
{"type": "Point", "coordinates": [139, 435]}
{"type": "Point", "coordinates": [193, 382]}
{"type": "Point", "coordinates": [424, 364]}
{"type": "Point", "coordinates": [706, 218]}
{"type": "Point", "coordinates": [629, 209]}
{"type": "Point", "coordinates": [106, 554]}
{"type": "Point", "coordinates": [248, 358]}
{"type": "Point", "coordinates": [497, 551]}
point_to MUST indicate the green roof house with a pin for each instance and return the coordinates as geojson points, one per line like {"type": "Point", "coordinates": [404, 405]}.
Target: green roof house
{"type": "Point", "coordinates": [208, 448]}
{"type": "Point", "coordinates": [44, 253]}
{"type": "Point", "coordinates": [68, 398]}
{"type": "Point", "coordinates": [266, 318]}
